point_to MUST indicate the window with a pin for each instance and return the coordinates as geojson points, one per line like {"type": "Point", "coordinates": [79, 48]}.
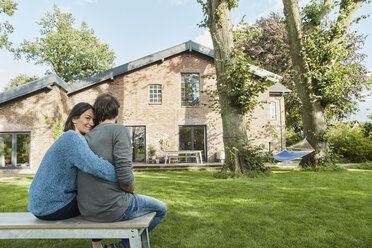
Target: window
{"type": "Point", "coordinates": [272, 111]}
{"type": "Point", "coordinates": [138, 137]}
{"type": "Point", "coordinates": [155, 93]}
{"type": "Point", "coordinates": [190, 89]}
{"type": "Point", "coordinates": [14, 150]}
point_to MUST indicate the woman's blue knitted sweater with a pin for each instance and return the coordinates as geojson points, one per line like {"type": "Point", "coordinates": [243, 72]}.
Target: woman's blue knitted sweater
{"type": "Point", "coordinates": [54, 185]}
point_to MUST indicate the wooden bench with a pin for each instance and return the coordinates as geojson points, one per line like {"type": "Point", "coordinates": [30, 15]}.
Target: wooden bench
{"type": "Point", "coordinates": [27, 226]}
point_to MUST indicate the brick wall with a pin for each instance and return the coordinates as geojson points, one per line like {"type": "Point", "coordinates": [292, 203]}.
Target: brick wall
{"type": "Point", "coordinates": [27, 115]}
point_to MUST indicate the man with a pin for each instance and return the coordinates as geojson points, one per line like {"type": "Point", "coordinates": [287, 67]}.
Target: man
{"type": "Point", "coordinates": [104, 201]}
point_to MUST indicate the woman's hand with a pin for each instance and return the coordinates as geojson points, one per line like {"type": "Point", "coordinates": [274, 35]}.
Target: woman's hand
{"type": "Point", "coordinates": [130, 188]}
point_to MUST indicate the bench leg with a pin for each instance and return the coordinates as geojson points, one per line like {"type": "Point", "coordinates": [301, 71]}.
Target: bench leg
{"type": "Point", "coordinates": [134, 239]}
{"type": "Point", "coordinates": [200, 158]}
{"type": "Point", "coordinates": [145, 238]}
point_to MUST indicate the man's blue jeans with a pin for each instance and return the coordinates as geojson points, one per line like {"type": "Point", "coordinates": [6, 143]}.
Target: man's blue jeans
{"type": "Point", "coordinates": [141, 205]}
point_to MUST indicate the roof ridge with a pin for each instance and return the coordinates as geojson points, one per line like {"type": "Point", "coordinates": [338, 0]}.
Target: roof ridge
{"type": "Point", "coordinates": [36, 85]}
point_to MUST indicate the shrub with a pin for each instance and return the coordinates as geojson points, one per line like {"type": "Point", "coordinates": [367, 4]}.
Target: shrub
{"type": "Point", "coordinates": [255, 159]}
{"type": "Point", "coordinates": [292, 137]}
{"type": "Point", "coordinates": [363, 166]}
{"type": "Point", "coordinates": [350, 143]}
{"type": "Point", "coordinates": [367, 129]}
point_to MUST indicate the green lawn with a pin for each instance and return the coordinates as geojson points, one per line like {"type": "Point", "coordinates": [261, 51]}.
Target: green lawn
{"type": "Point", "coordinates": [288, 209]}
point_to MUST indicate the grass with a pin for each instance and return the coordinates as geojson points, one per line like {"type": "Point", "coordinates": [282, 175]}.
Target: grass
{"type": "Point", "coordinates": [288, 209]}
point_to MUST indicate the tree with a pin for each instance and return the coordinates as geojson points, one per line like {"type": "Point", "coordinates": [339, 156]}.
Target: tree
{"type": "Point", "coordinates": [7, 7]}
{"type": "Point", "coordinates": [270, 50]}
{"type": "Point", "coordinates": [20, 80]}
{"type": "Point", "coordinates": [71, 53]}
{"type": "Point", "coordinates": [237, 89]}
{"type": "Point", "coordinates": [318, 47]}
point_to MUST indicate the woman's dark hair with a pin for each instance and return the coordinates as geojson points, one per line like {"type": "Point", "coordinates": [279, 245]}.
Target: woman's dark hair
{"type": "Point", "coordinates": [106, 107]}
{"type": "Point", "coordinates": [76, 111]}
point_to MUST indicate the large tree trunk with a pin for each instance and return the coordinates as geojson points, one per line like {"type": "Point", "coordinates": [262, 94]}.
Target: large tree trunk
{"type": "Point", "coordinates": [313, 113]}
{"type": "Point", "coordinates": [315, 125]}
{"type": "Point", "coordinates": [233, 121]}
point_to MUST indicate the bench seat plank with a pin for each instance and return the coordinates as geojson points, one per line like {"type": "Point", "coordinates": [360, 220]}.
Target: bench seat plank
{"type": "Point", "coordinates": [70, 233]}
{"type": "Point", "coordinates": [29, 221]}
{"type": "Point", "coordinates": [27, 226]}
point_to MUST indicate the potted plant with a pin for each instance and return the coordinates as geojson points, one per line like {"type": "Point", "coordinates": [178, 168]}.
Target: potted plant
{"type": "Point", "coordinates": [164, 146]}
{"type": "Point", "coordinates": [152, 152]}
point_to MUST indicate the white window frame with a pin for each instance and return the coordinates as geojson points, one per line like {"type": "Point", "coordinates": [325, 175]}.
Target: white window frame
{"type": "Point", "coordinates": [14, 150]}
{"type": "Point", "coordinates": [272, 110]}
{"type": "Point", "coordinates": [155, 94]}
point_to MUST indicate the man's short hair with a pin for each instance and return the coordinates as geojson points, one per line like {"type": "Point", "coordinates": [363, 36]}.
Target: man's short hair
{"type": "Point", "coordinates": [106, 107]}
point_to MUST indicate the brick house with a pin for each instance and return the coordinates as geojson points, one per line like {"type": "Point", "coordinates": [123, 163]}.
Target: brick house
{"type": "Point", "coordinates": [161, 103]}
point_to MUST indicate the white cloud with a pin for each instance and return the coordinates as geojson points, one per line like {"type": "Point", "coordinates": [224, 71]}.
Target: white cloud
{"type": "Point", "coordinates": [205, 39]}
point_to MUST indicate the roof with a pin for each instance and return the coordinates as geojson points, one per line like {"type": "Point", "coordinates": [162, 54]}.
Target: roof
{"type": "Point", "coordinates": [48, 81]}
{"type": "Point", "coordinates": [34, 86]}
{"type": "Point", "coordinates": [278, 89]}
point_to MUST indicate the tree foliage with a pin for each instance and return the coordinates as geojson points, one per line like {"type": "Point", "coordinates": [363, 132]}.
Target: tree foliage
{"type": "Point", "coordinates": [7, 7]}
{"type": "Point", "coordinates": [71, 53]}
{"type": "Point", "coordinates": [269, 48]}
{"type": "Point", "coordinates": [20, 80]}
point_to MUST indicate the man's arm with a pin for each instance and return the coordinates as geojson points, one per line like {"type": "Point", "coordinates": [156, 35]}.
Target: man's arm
{"type": "Point", "coordinates": [122, 154]}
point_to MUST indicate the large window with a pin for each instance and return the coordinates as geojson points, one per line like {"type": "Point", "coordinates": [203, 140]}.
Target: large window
{"type": "Point", "coordinates": [138, 136]}
{"type": "Point", "coordinates": [14, 150]}
{"type": "Point", "coordinates": [190, 89]}
{"type": "Point", "coordinates": [155, 93]}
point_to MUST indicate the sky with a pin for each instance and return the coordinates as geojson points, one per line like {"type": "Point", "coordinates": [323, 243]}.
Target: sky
{"type": "Point", "coordinates": [137, 28]}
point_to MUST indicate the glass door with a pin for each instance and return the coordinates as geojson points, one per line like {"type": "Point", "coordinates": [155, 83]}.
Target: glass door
{"type": "Point", "coordinates": [138, 137]}
{"type": "Point", "coordinates": [193, 138]}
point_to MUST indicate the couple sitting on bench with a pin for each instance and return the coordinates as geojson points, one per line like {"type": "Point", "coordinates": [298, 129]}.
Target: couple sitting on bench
{"type": "Point", "coordinates": [72, 180]}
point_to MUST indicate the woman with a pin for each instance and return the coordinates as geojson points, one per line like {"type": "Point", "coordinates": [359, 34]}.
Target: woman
{"type": "Point", "coordinates": [52, 195]}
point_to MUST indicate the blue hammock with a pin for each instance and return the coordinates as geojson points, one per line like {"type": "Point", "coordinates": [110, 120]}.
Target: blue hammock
{"type": "Point", "coordinates": [286, 155]}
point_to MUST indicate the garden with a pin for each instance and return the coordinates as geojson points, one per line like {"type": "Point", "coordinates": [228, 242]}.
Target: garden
{"type": "Point", "coordinates": [288, 209]}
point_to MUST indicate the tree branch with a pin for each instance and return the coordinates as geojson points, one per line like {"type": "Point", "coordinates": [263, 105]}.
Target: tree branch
{"type": "Point", "coordinates": [345, 17]}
